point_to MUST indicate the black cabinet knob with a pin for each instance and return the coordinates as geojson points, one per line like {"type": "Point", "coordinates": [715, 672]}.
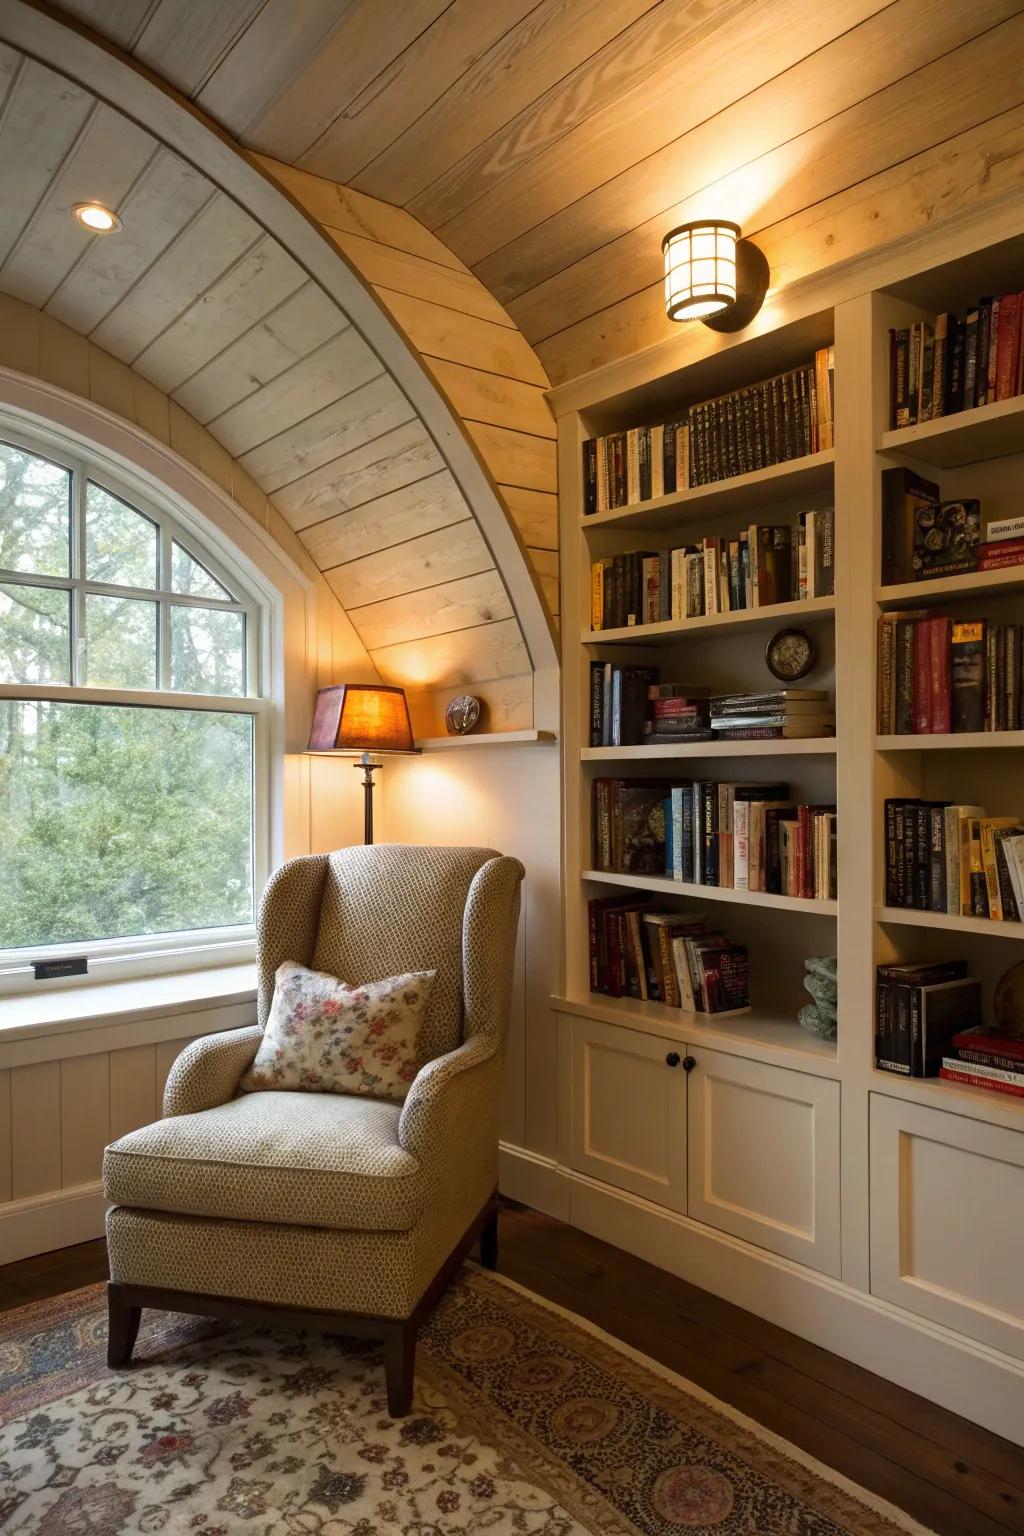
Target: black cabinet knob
{"type": "Point", "coordinates": [672, 1059]}
{"type": "Point", "coordinates": [689, 1062]}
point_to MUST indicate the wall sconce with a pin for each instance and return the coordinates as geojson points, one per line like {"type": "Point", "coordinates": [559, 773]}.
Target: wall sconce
{"type": "Point", "coordinates": [711, 274]}
{"type": "Point", "coordinates": [362, 718]}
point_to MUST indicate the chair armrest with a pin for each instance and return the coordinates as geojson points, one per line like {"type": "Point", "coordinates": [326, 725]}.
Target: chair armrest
{"type": "Point", "coordinates": [455, 1093]}
{"type": "Point", "coordinates": [208, 1071]}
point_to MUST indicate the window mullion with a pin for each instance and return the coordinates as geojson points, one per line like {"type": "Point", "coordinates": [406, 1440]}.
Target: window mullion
{"type": "Point", "coordinates": [78, 638]}
{"type": "Point", "coordinates": [164, 611]}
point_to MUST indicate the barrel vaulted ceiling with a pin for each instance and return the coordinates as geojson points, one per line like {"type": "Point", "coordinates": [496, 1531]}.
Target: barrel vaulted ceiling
{"type": "Point", "coordinates": [197, 296]}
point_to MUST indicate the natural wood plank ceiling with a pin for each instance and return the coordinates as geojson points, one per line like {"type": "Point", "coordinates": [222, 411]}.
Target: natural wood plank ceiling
{"type": "Point", "coordinates": [550, 143]}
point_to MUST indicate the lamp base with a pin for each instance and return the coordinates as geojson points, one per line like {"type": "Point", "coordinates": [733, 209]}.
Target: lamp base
{"type": "Point", "coordinates": [367, 764]}
{"type": "Point", "coordinates": [752, 275]}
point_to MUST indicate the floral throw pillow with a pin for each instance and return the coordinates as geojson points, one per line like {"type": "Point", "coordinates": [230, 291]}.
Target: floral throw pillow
{"type": "Point", "coordinates": [323, 1036]}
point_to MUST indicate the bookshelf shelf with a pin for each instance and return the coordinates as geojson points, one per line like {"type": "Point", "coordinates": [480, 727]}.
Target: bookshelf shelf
{"type": "Point", "coordinates": [920, 594]}
{"type": "Point", "coordinates": [805, 478]}
{"type": "Point", "coordinates": [813, 746]}
{"type": "Point", "coordinates": [987, 432]}
{"type": "Point", "coordinates": [762, 1033]}
{"type": "Point", "coordinates": [664, 885]}
{"type": "Point", "coordinates": [951, 922]}
{"type": "Point", "coordinates": [486, 739]}
{"type": "Point", "coordinates": [937, 1093]}
{"type": "Point", "coordinates": [954, 743]}
{"type": "Point", "coordinates": [747, 619]}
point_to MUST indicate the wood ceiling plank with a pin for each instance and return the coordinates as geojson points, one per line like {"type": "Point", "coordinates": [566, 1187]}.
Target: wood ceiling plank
{"type": "Point", "coordinates": [399, 458]}
{"type": "Point", "coordinates": [110, 156]}
{"type": "Point", "coordinates": [267, 58]}
{"type": "Point", "coordinates": [438, 331]}
{"type": "Point", "coordinates": [402, 273]}
{"type": "Point", "coordinates": [342, 210]}
{"type": "Point", "coordinates": [119, 20]}
{"type": "Point", "coordinates": [284, 336]}
{"type": "Point", "coordinates": [535, 514]}
{"type": "Point", "coordinates": [155, 212]}
{"type": "Point", "coordinates": [464, 656]}
{"type": "Point", "coordinates": [359, 417]}
{"type": "Point", "coordinates": [43, 116]}
{"type": "Point", "coordinates": [254, 286]}
{"type": "Point", "coordinates": [205, 249]}
{"type": "Point", "coordinates": [10, 63]}
{"type": "Point", "coordinates": [344, 64]}
{"type": "Point", "coordinates": [448, 554]}
{"type": "Point", "coordinates": [478, 396]}
{"type": "Point", "coordinates": [515, 458]}
{"type": "Point", "coordinates": [775, 118]}
{"type": "Point", "coordinates": [555, 37]}
{"type": "Point", "coordinates": [648, 44]}
{"type": "Point", "coordinates": [408, 87]}
{"type": "Point", "coordinates": [463, 604]}
{"type": "Point", "coordinates": [335, 369]}
{"type": "Point", "coordinates": [184, 42]}
{"type": "Point", "coordinates": [978, 80]}
{"type": "Point", "coordinates": [407, 513]}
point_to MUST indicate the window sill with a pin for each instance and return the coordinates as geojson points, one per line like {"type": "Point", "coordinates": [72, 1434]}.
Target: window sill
{"type": "Point", "coordinates": [68, 1009]}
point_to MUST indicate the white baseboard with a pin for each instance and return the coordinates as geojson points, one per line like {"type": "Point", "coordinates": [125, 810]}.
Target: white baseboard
{"type": "Point", "coordinates": [533, 1180]}
{"type": "Point", "coordinates": [58, 1219]}
{"type": "Point", "coordinates": [969, 1378]}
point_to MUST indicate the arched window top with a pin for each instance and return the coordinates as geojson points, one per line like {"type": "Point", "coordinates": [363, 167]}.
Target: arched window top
{"type": "Point", "coordinates": [99, 588]}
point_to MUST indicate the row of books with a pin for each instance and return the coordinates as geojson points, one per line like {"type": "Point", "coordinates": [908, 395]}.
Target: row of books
{"type": "Point", "coordinates": [938, 675]}
{"type": "Point", "coordinates": [782, 418]}
{"type": "Point", "coordinates": [986, 1058]}
{"type": "Point", "coordinates": [773, 715]}
{"type": "Point", "coordinates": [668, 957]}
{"type": "Point", "coordinates": [743, 837]}
{"type": "Point", "coordinates": [763, 565]}
{"type": "Point", "coordinates": [920, 1010]}
{"type": "Point", "coordinates": [941, 857]}
{"type": "Point", "coordinates": [954, 363]}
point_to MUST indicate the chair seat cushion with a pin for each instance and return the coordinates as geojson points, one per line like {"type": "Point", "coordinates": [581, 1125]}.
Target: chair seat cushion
{"type": "Point", "coordinates": [299, 1159]}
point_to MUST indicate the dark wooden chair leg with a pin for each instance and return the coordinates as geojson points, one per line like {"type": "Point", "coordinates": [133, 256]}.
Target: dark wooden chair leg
{"type": "Point", "coordinates": [122, 1328]}
{"type": "Point", "coordinates": [400, 1366]}
{"type": "Point", "coordinates": [489, 1243]}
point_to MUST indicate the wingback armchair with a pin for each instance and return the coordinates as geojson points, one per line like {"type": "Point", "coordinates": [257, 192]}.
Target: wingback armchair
{"type": "Point", "coordinates": [330, 1211]}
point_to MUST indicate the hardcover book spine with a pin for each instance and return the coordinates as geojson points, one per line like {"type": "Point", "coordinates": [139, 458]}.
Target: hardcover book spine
{"type": "Point", "coordinates": [970, 385]}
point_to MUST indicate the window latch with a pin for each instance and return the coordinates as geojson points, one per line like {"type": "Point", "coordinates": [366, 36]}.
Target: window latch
{"type": "Point", "coordinates": [52, 970]}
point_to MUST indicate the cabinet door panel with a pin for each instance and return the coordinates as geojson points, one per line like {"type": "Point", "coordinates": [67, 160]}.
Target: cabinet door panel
{"type": "Point", "coordinates": [764, 1156]}
{"type": "Point", "coordinates": [946, 1237]}
{"type": "Point", "coordinates": [629, 1112]}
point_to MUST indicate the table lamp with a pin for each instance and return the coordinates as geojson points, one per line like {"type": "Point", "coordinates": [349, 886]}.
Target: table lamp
{"type": "Point", "coordinates": [365, 718]}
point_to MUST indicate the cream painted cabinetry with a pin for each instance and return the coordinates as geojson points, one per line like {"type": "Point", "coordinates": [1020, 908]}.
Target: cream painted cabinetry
{"type": "Point", "coordinates": [947, 1240]}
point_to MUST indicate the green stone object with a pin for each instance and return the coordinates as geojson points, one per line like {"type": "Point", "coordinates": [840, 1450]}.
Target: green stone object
{"type": "Point", "coordinates": [822, 988]}
{"type": "Point", "coordinates": [822, 965]}
{"type": "Point", "coordinates": [810, 1019]}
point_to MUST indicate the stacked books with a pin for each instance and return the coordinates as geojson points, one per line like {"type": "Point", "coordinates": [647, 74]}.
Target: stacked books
{"type": "Point", "coordinates": [941, 857]}
{"type": "Point", "coordinates": [954, 363]}
{"type": "Point", "coordinates": [761, 566]}
{"type": "Point", "coordinates": [779, 713]}
{"type": "Point", "coordinates": [768, 423]}
{"type": "Point", "coordinates": [923, 537]}
{"type": "Point", "coordinates": [666, 957]}
{"type": "Point", "coordinates": [1004, 545]}
{"type": "Point", "coordinates": [919, 1010]}
{"type": "Point", "coordinates": [629, 706]}
{"type": "Point", "coordinates": [743, 837]}
{"type": "Point", "coordinates": [938, 675]}
{"type": "Point", "coordinates": [986, 1058]}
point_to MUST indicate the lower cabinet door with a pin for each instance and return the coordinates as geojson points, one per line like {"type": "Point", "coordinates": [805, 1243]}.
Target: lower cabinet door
{"type": "Point", "coordinates": [629, 1111]}
{"type": "Point", "coordinates": [764, 1156]}
{"type": "Point", "coordinates": [947, 1235]}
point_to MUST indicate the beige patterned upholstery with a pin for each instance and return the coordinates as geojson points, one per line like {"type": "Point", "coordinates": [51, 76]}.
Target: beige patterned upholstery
{"type": "Point", "coordinates": [326, 1201]}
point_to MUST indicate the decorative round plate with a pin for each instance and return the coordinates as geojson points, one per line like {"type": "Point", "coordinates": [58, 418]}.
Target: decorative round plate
{"type": "Point", "coordinates": [789, 655]}
{"type": "Point", "coordinates": [462, 715]}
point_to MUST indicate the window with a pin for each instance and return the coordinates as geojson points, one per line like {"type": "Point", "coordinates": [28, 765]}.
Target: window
{"type": "Point", "coordinates": [131, 728]}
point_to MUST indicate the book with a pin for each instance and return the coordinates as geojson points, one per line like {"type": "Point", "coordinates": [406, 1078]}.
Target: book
{"type": "Point", "coordinates": [954, 1070]}
{"type": "Point", "coordinates": [903, 492]}
{"type": "Point", "coordinates": [946, 538]}
{"type": "Point", "coordinates": [967, 681]}
{"type": "Point", "coordinates": [895, 1049]}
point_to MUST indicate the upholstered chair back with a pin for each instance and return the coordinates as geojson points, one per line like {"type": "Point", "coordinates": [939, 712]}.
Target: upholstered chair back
{"type": "Point", "coordinates": [365, 913]}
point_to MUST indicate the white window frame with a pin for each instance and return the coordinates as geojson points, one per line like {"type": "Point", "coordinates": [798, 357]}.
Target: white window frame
{"type": "Point", "coordinates": [150, 954]}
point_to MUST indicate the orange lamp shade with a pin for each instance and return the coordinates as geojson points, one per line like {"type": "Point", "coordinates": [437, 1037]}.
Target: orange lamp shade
{"type": "Point", "coordinates": [361, 717]}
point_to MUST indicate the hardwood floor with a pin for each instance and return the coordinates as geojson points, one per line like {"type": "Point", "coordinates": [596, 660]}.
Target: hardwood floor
{"type": "Point", "coordinates": [956, 1479]}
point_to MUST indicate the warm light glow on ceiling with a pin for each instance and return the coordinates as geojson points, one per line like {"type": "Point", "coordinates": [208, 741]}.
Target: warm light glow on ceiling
{"type": "Point", "coordinates": [97, 219]}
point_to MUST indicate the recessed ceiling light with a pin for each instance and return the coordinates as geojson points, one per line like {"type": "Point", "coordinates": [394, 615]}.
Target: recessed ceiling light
{"type": "Point", "coordinates": [96, 218]}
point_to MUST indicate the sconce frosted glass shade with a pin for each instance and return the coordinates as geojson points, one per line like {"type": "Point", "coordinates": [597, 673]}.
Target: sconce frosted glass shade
{"type": "Point", "coordinates": [360, 717]}
{"type": "Point", "coordinates": [700, 268]}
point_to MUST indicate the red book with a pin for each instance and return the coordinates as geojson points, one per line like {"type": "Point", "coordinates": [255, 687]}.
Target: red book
{"type": "Point", "coordinates": [1001, 547]}
{"type": "Point", "coordinates": [923, 678]}
{"type": "Point", "coordinates": [805, 845]}
{"type": "Point", "coordinates": [991, 364]}
{"type": "Point", "coordinates": [941, 699]}
{"type": "Point", "coordinates": [1007, 346]}
{"type": "Point", "coordinates": [1000, 562]}
{"type": "Point", "coordinates": [660, 708]}
{"type": "Point", "coordinates": [996, 1045]}
{"type": "Point", "coordinates": [993, 1084]}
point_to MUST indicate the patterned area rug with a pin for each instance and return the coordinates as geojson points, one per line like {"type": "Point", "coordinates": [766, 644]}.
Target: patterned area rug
{"type": "Point", "coordinates": [526, 1423]}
